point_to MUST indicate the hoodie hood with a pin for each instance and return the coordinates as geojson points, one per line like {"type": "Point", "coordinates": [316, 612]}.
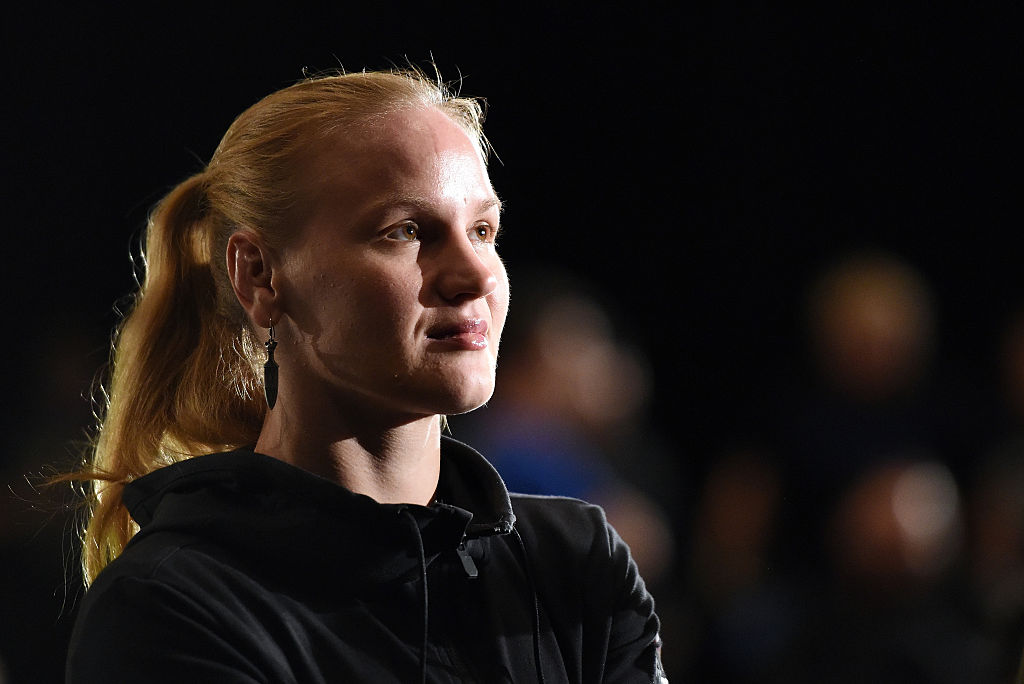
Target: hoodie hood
{"type": "Point", "coordinates": [265, 513]}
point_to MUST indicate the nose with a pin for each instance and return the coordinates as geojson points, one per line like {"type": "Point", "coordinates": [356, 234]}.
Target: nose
{"type": "Point", "coordinates": [466, 271]}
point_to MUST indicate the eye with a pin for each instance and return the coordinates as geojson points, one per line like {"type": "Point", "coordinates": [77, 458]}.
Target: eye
{"type": "Point", "coordinates": [406, 232]}
{"type": "Point", "coordinates": [483, 232]}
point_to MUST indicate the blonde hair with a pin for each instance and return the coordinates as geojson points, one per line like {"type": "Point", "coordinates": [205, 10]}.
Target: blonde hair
{"type": "Point", "coordinates": [185, 364]}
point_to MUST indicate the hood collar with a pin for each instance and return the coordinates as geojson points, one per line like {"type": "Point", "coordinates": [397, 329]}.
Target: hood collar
{"type": "Point", "coordinates": [247, 504]}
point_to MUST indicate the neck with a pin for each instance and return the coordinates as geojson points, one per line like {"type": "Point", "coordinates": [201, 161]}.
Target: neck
{"type": "Point", "coordinates": [391, 462]}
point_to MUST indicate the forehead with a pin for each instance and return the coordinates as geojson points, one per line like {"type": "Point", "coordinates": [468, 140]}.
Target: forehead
{"type": "Point", "coordinates": [415, 150]}
{"type": "Point", "coordinates": [418, 123]}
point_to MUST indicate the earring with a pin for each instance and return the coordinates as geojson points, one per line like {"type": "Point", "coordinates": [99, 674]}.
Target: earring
{"type": "Point", "coordinates": [270, 369]}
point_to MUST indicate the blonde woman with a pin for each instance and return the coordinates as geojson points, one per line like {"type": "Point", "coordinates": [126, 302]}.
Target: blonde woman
{"type": "Point", "coordinates": [272, 499]}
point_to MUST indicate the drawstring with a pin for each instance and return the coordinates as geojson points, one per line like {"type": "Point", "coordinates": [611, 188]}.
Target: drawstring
{"type": "Point", "coordinates": [426, 597]}
{"type": "Point", "coordinates": [536, 607]}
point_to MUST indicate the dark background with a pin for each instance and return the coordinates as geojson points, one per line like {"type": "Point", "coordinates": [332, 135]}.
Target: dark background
{"type": "Point", "coordinates": [700, 165]}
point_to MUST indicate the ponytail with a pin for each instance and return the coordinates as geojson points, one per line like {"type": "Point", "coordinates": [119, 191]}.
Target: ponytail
{"type": "Point", "coordinates": [180, 383]}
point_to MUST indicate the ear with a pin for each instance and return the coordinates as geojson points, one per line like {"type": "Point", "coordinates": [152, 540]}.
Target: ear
{"type": "Point", "coordinates": [251, 272]}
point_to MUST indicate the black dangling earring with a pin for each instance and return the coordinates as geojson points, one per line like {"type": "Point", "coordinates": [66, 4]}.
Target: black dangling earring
{"type": "Point", "coordinates": [270, 369]}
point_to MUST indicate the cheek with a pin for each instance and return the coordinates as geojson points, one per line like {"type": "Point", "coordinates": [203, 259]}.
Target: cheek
{"type": "Point", "coordinates": [499, 300]}
{"type": "Point", "coordinates": [381, 307]}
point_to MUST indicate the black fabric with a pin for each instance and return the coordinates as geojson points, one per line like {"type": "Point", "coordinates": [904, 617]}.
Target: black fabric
{"type": "Point", "coordinates": [250, 570]}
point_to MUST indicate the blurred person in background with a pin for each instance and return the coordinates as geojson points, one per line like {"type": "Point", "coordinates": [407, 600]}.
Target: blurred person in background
{"type": "Point", "coordinates": [855, 517]}
{"type": "Point", "coordinates": [874, 400]}
{"type": "Point", "coordinates": [567, 417]}
{"type": "Point", "coordinates": [995, 507]}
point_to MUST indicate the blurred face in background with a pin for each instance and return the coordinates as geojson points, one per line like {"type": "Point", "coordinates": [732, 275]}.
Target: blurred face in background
{"type": "Point", "coordinates": [871, 325]}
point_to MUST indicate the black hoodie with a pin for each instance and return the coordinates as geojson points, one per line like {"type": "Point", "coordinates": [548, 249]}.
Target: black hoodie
{"type": "Point", "coordinates": [247, 569]}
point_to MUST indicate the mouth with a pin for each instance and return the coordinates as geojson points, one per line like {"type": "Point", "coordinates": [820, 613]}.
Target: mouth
{"type": "Point", "coordinates": [469, 333]}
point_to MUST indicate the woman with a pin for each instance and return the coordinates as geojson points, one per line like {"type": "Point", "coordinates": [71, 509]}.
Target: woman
{"type": "Point", "coordinates": [339, 251]}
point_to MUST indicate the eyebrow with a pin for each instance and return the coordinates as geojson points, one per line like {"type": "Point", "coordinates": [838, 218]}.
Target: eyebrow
{"type": "Point", "coordinates": [424, 204]}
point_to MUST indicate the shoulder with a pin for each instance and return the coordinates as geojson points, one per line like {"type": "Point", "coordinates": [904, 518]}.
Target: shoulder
{"type": "Point", "coordinates": [571, 542]}
{"type": "Point", "coordinates": [170, 573]}
{"type": "Point", "coordinates": [144, 581]}
{"type": "Point", "coordinates": [166, 559]}
{"type": "Point", "coordinates": [566, 522]}
{"type": "Point", "coordinates": [540, 507]}
{"type": "Point", "coordinates": [169, 602]}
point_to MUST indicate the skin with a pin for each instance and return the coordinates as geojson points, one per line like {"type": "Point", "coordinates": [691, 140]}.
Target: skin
{"type": "Point", "coordinates": [379, 305]}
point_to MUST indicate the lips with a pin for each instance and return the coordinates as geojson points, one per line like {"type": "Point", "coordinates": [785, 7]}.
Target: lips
{"type": "Point", "coordinates": [467, 333]}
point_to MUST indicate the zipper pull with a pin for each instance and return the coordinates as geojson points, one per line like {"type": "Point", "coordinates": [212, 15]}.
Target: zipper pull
{"type": "Point", "coordinates": [467, 562]}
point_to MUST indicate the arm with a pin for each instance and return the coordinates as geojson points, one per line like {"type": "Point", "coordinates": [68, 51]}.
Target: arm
{"type": "Point", "coordinates": [634, 643]}
{"type": "Point", "coordinates": [591, 592]}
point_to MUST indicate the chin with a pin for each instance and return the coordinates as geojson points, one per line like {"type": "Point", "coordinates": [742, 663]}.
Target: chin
{"type": "Point", "coordinates": [466, 396]}
{"type": "Point", "coordinates": [465, 403]}
{"type": "Point", "coordinates": [445, 391]}
{"type": "Point", "coordinates": [467, 408]}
